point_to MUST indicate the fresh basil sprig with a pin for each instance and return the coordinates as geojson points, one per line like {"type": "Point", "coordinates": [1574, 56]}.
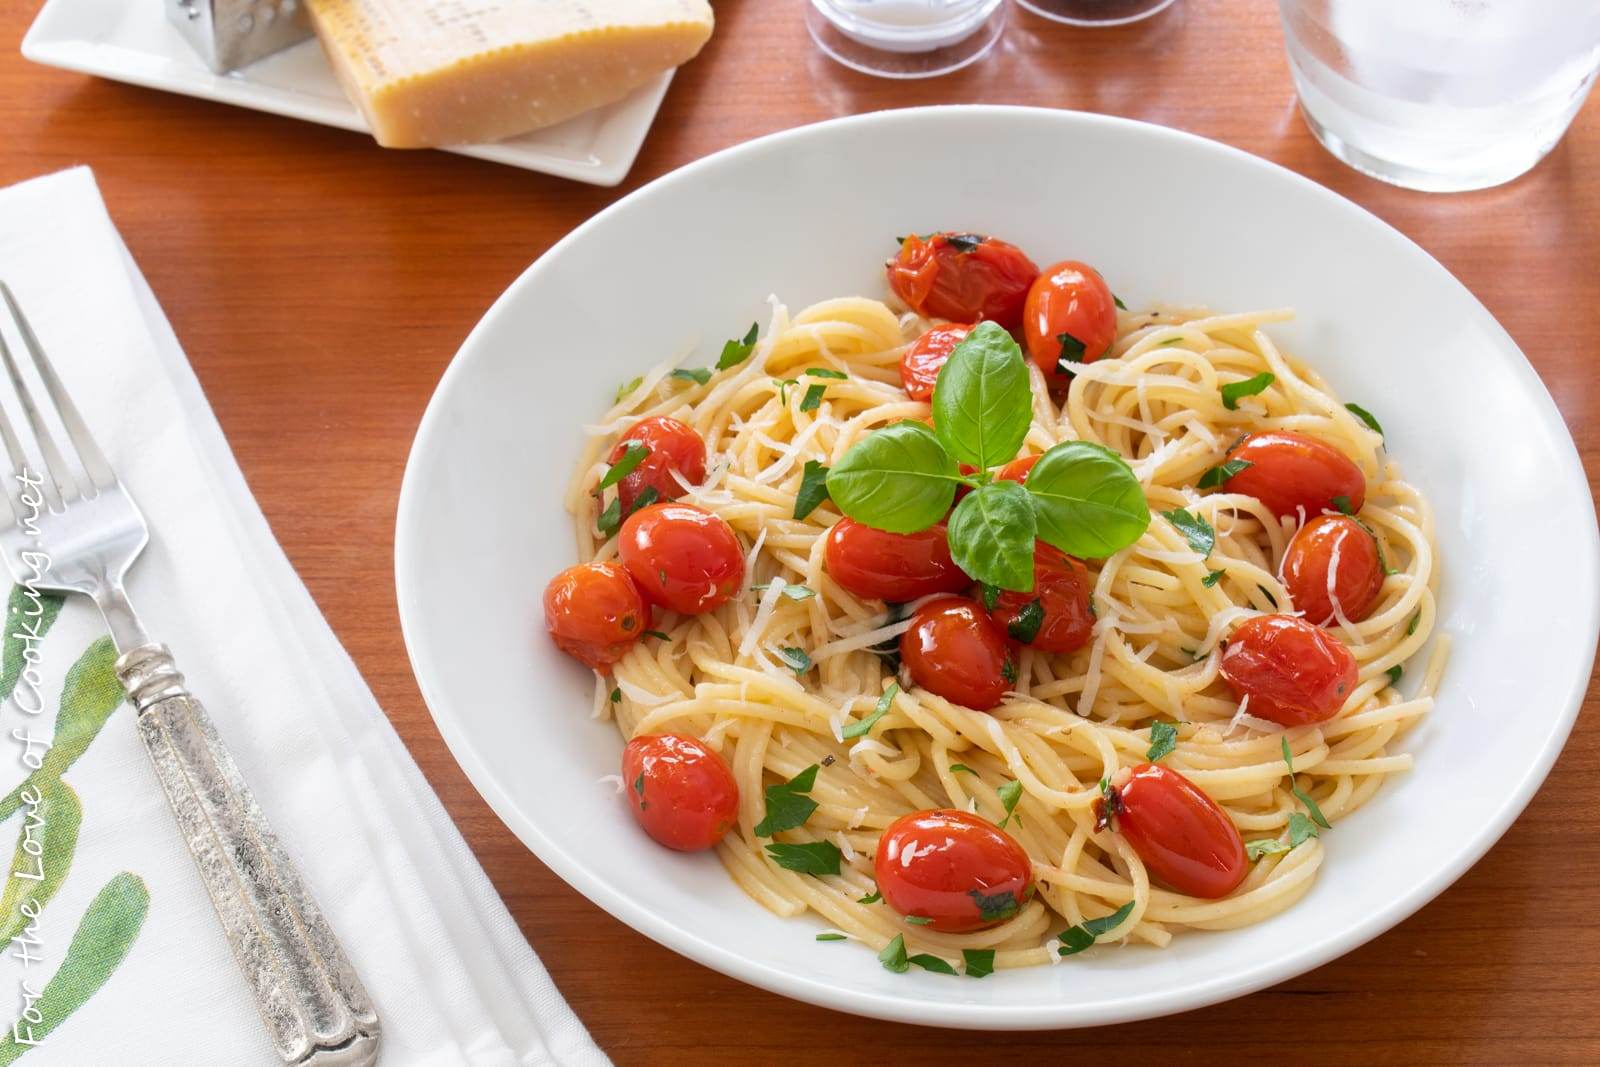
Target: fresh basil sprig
{"type": "Point", "coordinates": [1080, 497]}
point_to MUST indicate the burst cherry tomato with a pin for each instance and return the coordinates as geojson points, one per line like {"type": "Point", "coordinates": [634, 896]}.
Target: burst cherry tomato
{"type": "Point", "coordinates": [680, 791]}
{"type": "Point", "coordinates": [595, 613]}
{"type": "Point", "coordinates": [955, 869]}
{"type": "Point", "coordinates": [922, 362]}
{"type": "Point", "coordinates": [1290, 470]}
{"type": "Point", "coordinates": [1061, 585]}
{"type": "Point", "coordinates": [673, 447]}
{"type": "Point", "coordinates": [682, 557]}
{"type": "Point", "coordinates": [1309, 559]}
{"type": "Point", "coordinates": [1017, 470]}
{"type": "Point", "coordinates": [1183, 837]}
{"type": "Point", "coordinates": [964, 277]}
{"type": "Point", "coordinates": [1069, 299]}
{"type": "Point", "coordinates": [955, 650]}
{"type": "Point", "coordinates": [1293, 672]}
{"type": "Point", "coordinates": [891, 566]}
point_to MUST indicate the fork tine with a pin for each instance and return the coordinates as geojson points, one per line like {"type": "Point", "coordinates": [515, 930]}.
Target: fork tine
{"type": "Point", "coordinates": [95, 464]}
{"type": "Point", "coordinates": [58, 483]}
{"type": "Point", "coordinates": [21, 462]}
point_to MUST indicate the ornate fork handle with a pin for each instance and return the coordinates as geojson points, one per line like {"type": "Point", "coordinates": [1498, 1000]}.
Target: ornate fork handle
{"type": "Point", "coordinates": [314, 1006]}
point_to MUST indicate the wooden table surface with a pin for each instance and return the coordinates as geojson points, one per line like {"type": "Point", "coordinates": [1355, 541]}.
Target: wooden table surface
{"type": "Point", "coordinates": [320, 285]}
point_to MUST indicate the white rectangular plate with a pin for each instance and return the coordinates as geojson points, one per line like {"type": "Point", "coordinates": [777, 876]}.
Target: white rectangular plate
{"type": "Point", "coordinates": [131, 41]}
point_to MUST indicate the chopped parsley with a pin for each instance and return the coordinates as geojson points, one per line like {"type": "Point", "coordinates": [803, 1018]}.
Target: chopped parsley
{"type": "Point", "coordinates": [1212, 579]}
{"type": "Point", "coordinates": [1341, 504]}
{"type": "Point", "coordinates": [1008, 671]}
{"type": "Point", "coordinates": [1117, 300]}
{"type": "Point", "coordinates": [1072, 351]}
{"type": "Point", "coordinates": [994, 906]}
{"type": "Point", "coordinates": [790, 590]}
{"type": "Point", "coordinates": [736, 352]}
{"type": "Point", "coordinates": [1163, 739]}
{"type": "Point", "coordinates": [826, 372]}
{"type": "Point", "coordinates": [1074, 939]}
{"type": "Point", "coordinates": [1025, 627]}
{"type": "Point", "coordinates": [964, 242]}
{"type": "Point", "coordinates": [627, 387]}
{"type": "Point", "coordinates": [961, 768]}
{"type": "Point", "coordinates": [1266, 846]}
{"type": "Point", "coordinates": [1219, 474]}
{"type": "Point", "coordinates": [893, 956]}
{"type": "Point", "coordinates": [1233, 392]}
{"type": "Point", "coordinates": [698, 375]}
{"type": "Point", "coordinates": [862, 726]}
{"type": "Point", "coordinates": [991, 595]}
{"type": "Point", "coordinates": [813, 489]}
{"type": "Point", "coordinates": [610, 518]}
{"type": "Point", "coordinates": [616, 695]}
{"type": "Point", "coordinates": [1300, 828]}
{"type": "Point", "coordinates": [918, 920]}
{"type": "Point", "coordinates": [795, 659]}
{"type": "Point", "coordinates": [831, 937]}
{"type": "Point", "coordinates": [788, 805]}
{"type": "Point", "coordinates": [932, 963]}
{"type": "Point", "coordinates": [1411, 627]}
{"type": "Point", "coordinates": [657, 633]}
{"type": "Point", "coordinates": [1196, 530]}
{"type": "Point", "coordinates": [871, 898]}
{"type": "Point", "coordinates": [783, 388]}
{"type": "Point", "coordinates": [813, 398]}
{"type": "Point", "coordinates": [979, 962]}
{"type": "Point", "coordinates": [814, 857]}
{"type": "Point", "coordinates": [1394, 674]}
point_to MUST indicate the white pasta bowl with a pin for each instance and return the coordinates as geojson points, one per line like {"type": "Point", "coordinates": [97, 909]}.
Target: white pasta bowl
{"type": "Point", "coordinates": [812, 213]}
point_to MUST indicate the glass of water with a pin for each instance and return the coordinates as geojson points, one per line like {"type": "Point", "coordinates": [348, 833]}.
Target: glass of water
{"type": "Point", "coordinates": [1441, 95]}
{"type": "Point", "coordinates": [905, 38]}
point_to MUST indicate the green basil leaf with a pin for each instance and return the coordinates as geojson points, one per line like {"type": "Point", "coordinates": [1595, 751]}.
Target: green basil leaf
{"type": "Point", "coordinates": [793, 592]}
{"type": "Point", "coordinates": [627, 387]}
{"type": "Point", "coordinates": [1304, 798]}
{"type": "Point", "coordinates": [657, 634]}
{"type": "Point", "coordinates": [1219, 474]}
{"type": "Point", "coordinates": [1341, 504]}
{"type": "Point", "coordinates": [990, 594]}
{"type": "Point", "coordinates": [898, 479]}
{"type": "Point", "coordinates": [1195, 529]}
{"type": "Point", "coordinates": [1234, 391]}
{"type": "Point", "coordinates": [1266, 846]}
{"type": "Point", "coordinates": [1411, 627]}
{"type": "Point", "coordinates": [610, 518]}
{"type": "Point", "coordinates": [813, 398]}
{"type": "Point", "coordinates": [933, 963]}
{"type": "Point", "coordinates": [1365, 416]}
{"type": "Point", "coordinates": [991, 535]}
{"type": "Point", "coordinates": [1089, 503]}
{"type": "Point", "coordinates": [813, 489]}
{"type": "Point", "coordinates": [647, 497]}
{"type": "Point", "coordinates": [783, 388]}
{"type": "Point", "coordinates": [832, 937]}
{"type": "Point", "coordinates": [736, 352]}
{"type": "Point", "coordinates": [982, 404]}
{"type": "Point", "coordinates": [1213, 578]}
{"type": "Point", "coordinates": [826, 372]}
{"type": "Point", "coordinates": [697, 375]}
{"type": "Point", "coordinates": [862, 726]}
{"type": "Point", "coordinates": [918, 920]}
{"type": "Point", "coordinates": [795, 659]}
{"type": "Point", "coordinates": [1008, 670]}
{"type": "Point", "coordinates": [964, 242]}
{"type": "Point", "coordinates": [871, 898]}
{"type": "Point", "coordinates": [632, 456]}
{"type": "Point", "coordinates": [1163, 739]}
{"type": "Point", "coordinates": [815, 857]}
{"type": "Point", "coordinates": [1072, 351]}
{"type": "Point", "coordinates": [893, 956]}
{"type": "Point", "coordinates": [1394, 674]}
{"type": "Point", "coordinates": [961, 768]}
{"type": "Point", "coordinates": [787, 804]}
{"type": "Point", "coordinates": [1074, 939]}
{"type": "Point", "coordinates": [1300, 828]}
{"type": "Point", "coordinates": [1010, 793]}
{"type": "Point", "coordinates": [1025, 627]}
{"type": "Point", "coordinates": [993, 907]}
{"type": "Point", "coordinates": [979, 962]}
{"type": "Point", "coordinates": [616, 695]}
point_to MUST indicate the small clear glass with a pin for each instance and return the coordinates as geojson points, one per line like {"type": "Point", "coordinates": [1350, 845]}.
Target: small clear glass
{"type": "Point", "coordinates": [905, 38]}
{"type": "Point", "coordinates": [1441, 95]}
{"type": "Point", "coordinates": [1096, 12]}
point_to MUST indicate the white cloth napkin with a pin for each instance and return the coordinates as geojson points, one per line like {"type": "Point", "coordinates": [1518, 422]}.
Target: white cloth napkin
{"type": "Point", "coordinates": [452, 977]}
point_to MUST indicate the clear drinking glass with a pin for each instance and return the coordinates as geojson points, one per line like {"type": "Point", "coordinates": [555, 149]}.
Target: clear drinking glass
{"type": "Point", "coordinates": [1096, 12]}
{"type": "Point", "coordinates": [1441, 95]}
{"type": "Point", "coordinates": [905, 38]}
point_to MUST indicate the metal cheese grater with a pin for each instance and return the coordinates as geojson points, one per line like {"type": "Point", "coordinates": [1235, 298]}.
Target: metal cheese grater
{"type": "Point", "coordinates": [229, 34]}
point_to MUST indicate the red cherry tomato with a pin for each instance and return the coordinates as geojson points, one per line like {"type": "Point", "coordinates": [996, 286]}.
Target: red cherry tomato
{"type": "Point", "coordinates": [1290, 470]}
{"type": "Point", "coordinates": [953, 868]}
{"type": "Point", "coordinates": [595, 613]}
{"type": "Point", "coordinates": [1293, 672]}
{"type": "Point", "coordinates": [1017, 470]}
{"type": "Point", "coordinates": [673, 446]}
{"type": "Point", "coordinates": [964, 277]}
{"type": "Point", "coordinates": [679, 790]}
{"type": "Point", "coordinates": [1308, 561]}
{"type": "Point", "coordinates": [682, 557]}
{"type": "Point", "coordinates": [1061, 585]}
{"type": "Point", "coordinates": [1069, 298]}
{"type": "Point", "coordinates": [1183, 837]}
{"type": "Point", "coordinates": [891, 566]}
{"type": "Point", "coordinates": [955, 650]}
{"type": "Point", "coordinates": [922, 362]}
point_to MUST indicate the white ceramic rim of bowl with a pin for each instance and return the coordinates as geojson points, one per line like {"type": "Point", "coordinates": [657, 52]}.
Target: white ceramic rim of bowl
{"type": "Point", "coordinates": [1294, 961]}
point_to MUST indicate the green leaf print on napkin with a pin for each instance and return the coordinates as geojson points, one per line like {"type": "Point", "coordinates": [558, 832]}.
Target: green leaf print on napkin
{"type": "Point", "coordinates": [89, 695]}
{"type": "Point", "coordinates": [29, 617]}
{"type": "Point", "coordinates": [105, 934]}
{"type": "Point", "coordinates": [52, 827]}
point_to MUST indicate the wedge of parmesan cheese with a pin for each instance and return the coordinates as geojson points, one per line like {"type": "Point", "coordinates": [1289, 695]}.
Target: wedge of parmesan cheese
{"type": "Point", "coordinates": [443, 72]}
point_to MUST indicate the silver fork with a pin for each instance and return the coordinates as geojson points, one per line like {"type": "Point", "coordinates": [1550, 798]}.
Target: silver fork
{"type": "Point", "coordinates": [73, 528]}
